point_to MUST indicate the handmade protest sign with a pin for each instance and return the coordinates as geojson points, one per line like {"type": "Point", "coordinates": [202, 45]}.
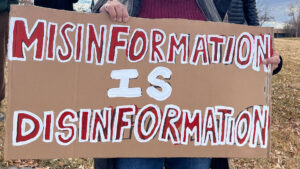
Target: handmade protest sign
{"type": "Point", "coordinates": [81, 85]}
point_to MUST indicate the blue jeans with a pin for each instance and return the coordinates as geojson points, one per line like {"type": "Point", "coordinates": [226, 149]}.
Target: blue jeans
{"type": "Point", "coordinates": [159, 163]}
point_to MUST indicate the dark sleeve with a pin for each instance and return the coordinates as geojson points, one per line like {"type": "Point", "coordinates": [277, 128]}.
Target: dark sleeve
{"type": "Point", "coordinates": [222, 7]}
{"type": "Point", "coordinates": [277, 70]}
{"type": "Point", "coordinates": [219, 163]}
{"type": "Point", "coordinates": [98, 5]}
{"type": "Point", "coordinates": [250, 12]}
{"type": "Point", "coordinates": [42, 3]}
{"type": "Point", "coordinates": [13, 1]}
{"type": "Point", "coordinates": [38, 2]}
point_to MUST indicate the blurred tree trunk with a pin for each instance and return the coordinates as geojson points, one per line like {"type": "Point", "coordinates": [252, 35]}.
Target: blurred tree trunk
{"type": "Point", "coordinates": [293, 25]}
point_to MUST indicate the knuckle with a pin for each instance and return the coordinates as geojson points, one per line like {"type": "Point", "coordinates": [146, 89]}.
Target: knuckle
{"type": "Point", "coordinates": [108, 7]}
{"type": "Point", "coordinates": [118, 4]}
{"type": "Point", "coordinates": [278, 60]}
{"type": "Point", "coordinates": [125, 12]}
{"type": "Point", "coordinates": [112, 14]}
{"type": "Point", "coordinates": [118, 7]}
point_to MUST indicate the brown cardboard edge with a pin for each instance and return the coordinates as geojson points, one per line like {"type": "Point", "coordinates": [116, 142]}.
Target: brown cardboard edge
{"type": "Point", "coordinates": [270, 100]}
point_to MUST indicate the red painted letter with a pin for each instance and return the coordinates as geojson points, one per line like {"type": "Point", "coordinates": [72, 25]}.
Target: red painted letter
{"type": "Point", "coordinates": [158, 38]}
{"type": "Point", "coordinates": [200, 50]}
{"type": "Point", "coordinates": [115, 43]}
{"type": "Point", "coordinates": [21, 37]}
{"type": "Point", "coordinates": [70, 128]}
{"type": "Point", "coordinates": [133, 55]}
{"type": "Point", "coordinates": [68, 54]}
{"type": "Point", "coordinates": [21, 136]}
{"type": "Point", "coordinates": [170, 123]}
{"type": "Point", "coordinates": [178, 46]}
{"type": "Point", "coordinates": [95, 43]}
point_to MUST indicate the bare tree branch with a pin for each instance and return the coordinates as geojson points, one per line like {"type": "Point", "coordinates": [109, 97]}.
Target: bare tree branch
{"type": "Point", "coordinates": [264, 15]}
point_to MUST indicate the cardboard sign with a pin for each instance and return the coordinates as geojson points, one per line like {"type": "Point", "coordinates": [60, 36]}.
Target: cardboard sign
{"type": "Point", "coordinates": [81, 85]}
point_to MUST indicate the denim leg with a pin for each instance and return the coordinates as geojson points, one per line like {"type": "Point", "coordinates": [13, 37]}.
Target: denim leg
{"type": "Point", "coordinates": [187, 163]}
{"type": "Point", "coordinates": [139, 163]}
{"type": "Point", "coordinates": [104, 163]}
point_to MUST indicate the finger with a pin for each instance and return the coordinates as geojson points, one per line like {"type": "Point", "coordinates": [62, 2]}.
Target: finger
{"type": "Point", "coordinates": [125, 15]}
{"type": "Point", "coordinates": [274, 66]}
{"type": "Point", "coordinates": [272, 60]}
{"type": "Point", "coordinates": [111, 11]}
{"type": "Point", "coordinates": [275, 54]}
{"type": "Point", "coordinates": [104, 7]}
{"type": "Point", "coordinates": [119, 12]}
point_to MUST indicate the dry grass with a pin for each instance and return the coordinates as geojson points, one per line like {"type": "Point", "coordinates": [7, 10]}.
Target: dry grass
{"type": "Point", "coordinates": [285, 138]}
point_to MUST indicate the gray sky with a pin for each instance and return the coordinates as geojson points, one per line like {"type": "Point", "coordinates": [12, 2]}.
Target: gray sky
{"type": "Point", "coordinates": [278, 8]}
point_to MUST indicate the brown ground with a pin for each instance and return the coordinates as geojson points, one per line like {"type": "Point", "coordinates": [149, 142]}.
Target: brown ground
{"type": "Point", "coordinates": [285, 130]}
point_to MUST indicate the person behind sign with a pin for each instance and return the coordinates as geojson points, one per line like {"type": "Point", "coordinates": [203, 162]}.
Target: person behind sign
{"type": "Point", "coordinates": [205, 10]}
{"type": "Point", "coordinates": [4, 9]}
{"type": "Point", "coordinates": [56, 4]}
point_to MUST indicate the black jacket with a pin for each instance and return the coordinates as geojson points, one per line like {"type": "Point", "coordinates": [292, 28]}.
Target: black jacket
{"type": "Point", "coordinates": [243, 11]}
{"type": "Point", "coordinates": [56, 4]}
{"type": "Point", "coordinates": [4, 4]}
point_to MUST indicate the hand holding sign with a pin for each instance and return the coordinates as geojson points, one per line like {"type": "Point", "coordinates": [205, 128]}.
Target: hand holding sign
{"type": "Point", "coordinates": [274, 60]}
{"type": "Point", "coordinates": [116, 10]}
